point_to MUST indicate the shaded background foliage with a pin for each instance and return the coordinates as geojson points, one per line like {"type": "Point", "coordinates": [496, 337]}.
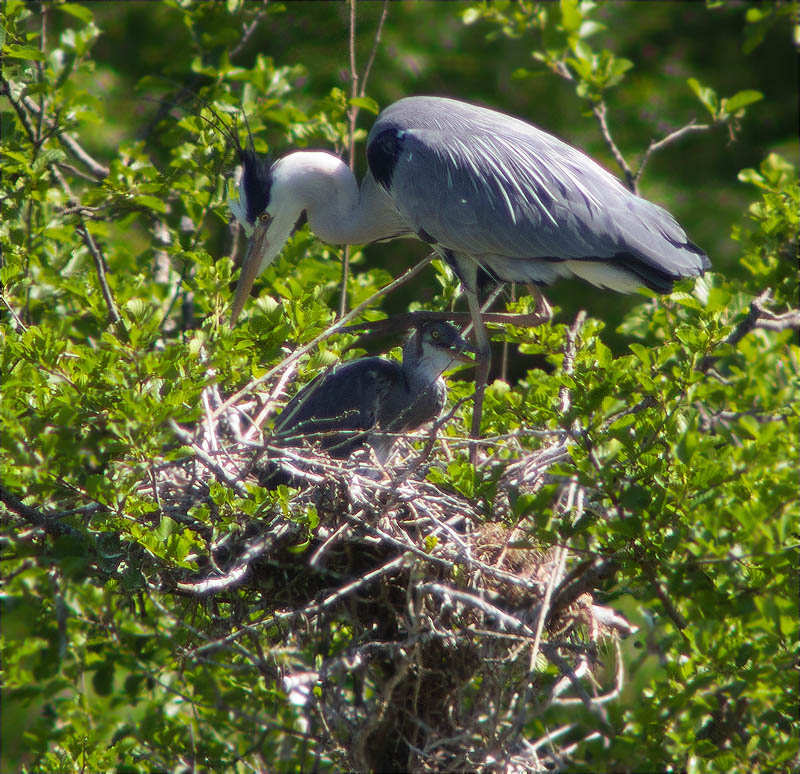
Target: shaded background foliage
{"type": "Point", "coordinates": [695, 494]}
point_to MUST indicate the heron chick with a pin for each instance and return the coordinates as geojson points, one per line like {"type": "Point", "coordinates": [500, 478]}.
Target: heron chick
{"type": "Point", "coordinates": [369, 401]}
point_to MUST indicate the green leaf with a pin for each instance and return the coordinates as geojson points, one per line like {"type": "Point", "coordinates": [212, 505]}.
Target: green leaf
{"type": "Point", "coordinates": [367, 103]}
{"type": "Point", "coordinates": [23, 52]}
{"type": "Point", "coordinates": [741, 99]}
{"type": "Point", "coordinates": [78, 11]}
{"type": "Point", "coordinates": [470, 16]}
{"type": "Point", "coordinates": [571, 17]}
{"type": "Point", "coordinates": [706, 95]}
{"type": "Point", "coordinates": [151, 202]}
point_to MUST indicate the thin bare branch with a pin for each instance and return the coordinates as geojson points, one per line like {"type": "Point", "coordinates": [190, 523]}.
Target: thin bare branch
{"type": "Point", "coordinates": [352, 114]}
{"type": "Point", "coordinates": [669, 139]}
{"type": "Point", "coordinates": [568, 364]}
{"type": "Point", "coordinates": [100, 266]}
{"type": "Point", "coordinates": [248, 31]}
{"type": "Point", "coordinates": [402, 322]}
{"type": "Point", "coordinates": [98, 170]}
{"type": "Point", "coordinates": [17, 321]}
{"type": "Point", "coordinates": [758, 316]}
{"type": "Point", "coordinates": [376, 41]}
{"type": "Point", "coordinates": [356, 90]}
{"type": "Point", "coordinates": [48, 522]}
{"type": "Point", "coordinates": [19, 110]}
{"type": "Point", "coordinates": [207, 460]}
{"type": "Point", "coordinates": [599, 110]}
{"type": "Point", "coordinates": [779, 322]}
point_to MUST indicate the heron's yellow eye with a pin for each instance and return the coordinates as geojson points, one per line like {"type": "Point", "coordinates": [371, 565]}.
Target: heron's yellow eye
{"type": "Point", "coordinates": [434, 334]}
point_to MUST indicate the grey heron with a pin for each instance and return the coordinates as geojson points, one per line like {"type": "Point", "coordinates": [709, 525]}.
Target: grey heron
{"type": "Point", "coordinates": [370, 400]}
{"type": "Point", "coordinates": [485, 190]}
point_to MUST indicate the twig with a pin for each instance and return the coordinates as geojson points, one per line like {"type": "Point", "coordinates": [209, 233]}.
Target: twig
{"type": "Point", "coordinates": [568, 364]}
{"type": "Point", "coordinates": [657, 145]}
{"type": "Point", "coordinates": [21, 325]}
{"type": "Point", "coordinates": [406, 320]}
{"type": "Point", "coordinates": [779, 322]}
{"type": "Point", "coordinates": [758, 316]}
{"type": "Point", "coordinates": [307, 611]}
{"type": "Point", "coordinates": [100, 266]}
{"type": "Point", "coordinates": [248, 33]}
{"type": "Point", "coordinates": [448, 594]}
{"type": "Point", "coordinates": [216, 469]}
{"type": "Point", "coordinates": [613, 620]}
{"type": "Point", "coordinates": [599, 110]}
{"type": "Point", "coordinates": [374, 51]}
{"type": "Point", "coordinates": [352, 114]}
{"type": "Point", "coordinates": [269, 403]}
{"type": "Point", "coordinates": [356, 91]}
{"type": "Point", "coordinates": [580, 671]}
{"type": "Point", "coordinates": [21, 114]}
{"type": "Point", "coordinates": [553, 656]}
{"type": "Point", "coordinates": [236, 574]}
{"type": "Point", "coordinates": [98, 170]}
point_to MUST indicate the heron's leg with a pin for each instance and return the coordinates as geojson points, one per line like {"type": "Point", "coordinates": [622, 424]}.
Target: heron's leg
{"type": "Point", "coordinates": [543, 308]}
{"type": "Point", "coordinates": [483, 361]}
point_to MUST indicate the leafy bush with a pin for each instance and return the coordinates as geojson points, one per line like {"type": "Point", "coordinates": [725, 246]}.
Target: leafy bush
{"type": "Point", "coordinates": [162, 610]}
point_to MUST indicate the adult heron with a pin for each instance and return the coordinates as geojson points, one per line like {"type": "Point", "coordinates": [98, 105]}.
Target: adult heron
{"type": "Point", "coordinates": [371, 400]}
{"type": "Point", "coordinates": [484, 189]}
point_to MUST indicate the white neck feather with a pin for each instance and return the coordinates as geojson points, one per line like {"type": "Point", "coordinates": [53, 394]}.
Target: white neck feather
{"type": "Point", "coordinates": [427, 366]}
{"type": "Point", "coordinates": [338, 212]}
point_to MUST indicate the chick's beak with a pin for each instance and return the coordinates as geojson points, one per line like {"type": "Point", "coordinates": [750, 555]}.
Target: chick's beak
{"type": "Point", "coordinates": [462, 350]}
{"type": "Point", "coordinates": [251, 266]}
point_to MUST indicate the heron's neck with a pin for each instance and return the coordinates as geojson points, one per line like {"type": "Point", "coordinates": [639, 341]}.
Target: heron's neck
{"type": "Point", "coordinates": [424, 368]}
{"type": "Point", "coordinates": [338, 211]}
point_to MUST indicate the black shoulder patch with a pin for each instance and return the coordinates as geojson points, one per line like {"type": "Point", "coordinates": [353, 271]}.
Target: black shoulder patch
{"type": "Point", "coordinates": [426, 237]}
{"type": "Point", "coordinates": [256, 181]}
{"type": "Point", "coordinates": [383, 153]}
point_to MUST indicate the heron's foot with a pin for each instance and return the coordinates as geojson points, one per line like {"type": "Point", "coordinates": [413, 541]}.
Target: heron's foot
{"type": "Point", "coordinates": [543, 308]}
{"type": "Point", "coordinates": [541, 314]}
{"type": "Point", "coordinates": [522, 319]}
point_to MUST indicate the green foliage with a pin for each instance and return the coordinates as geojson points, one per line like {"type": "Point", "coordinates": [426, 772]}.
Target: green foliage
{"type": "Point", "coordinates": [685, 441]}
{"type": "Point", "coordinates": [769, 243]}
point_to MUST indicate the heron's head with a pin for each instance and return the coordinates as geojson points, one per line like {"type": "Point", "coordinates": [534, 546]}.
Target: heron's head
{"type": "Point", "coordinates": [436, 345]}
{"type": "Point", "coordinates": [268, 209]}
{"type": "Point", "coordinates": [273, 200]}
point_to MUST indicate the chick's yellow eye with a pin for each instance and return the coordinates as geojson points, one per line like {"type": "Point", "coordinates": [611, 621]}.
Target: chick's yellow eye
{"type": "Point", "coordinates": [434, 334]}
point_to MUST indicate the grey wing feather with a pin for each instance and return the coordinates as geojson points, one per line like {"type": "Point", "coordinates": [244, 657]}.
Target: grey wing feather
{"type": "Point", "coordinates": [482, 183]}
{"type": "Point", "coordinates": [345, 398]}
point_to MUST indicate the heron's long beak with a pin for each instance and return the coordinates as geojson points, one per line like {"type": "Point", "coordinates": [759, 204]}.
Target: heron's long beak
{"type": "Point", "coordinates": [462, 350]}
{"type": "Point", "coordinates": [251, 266]}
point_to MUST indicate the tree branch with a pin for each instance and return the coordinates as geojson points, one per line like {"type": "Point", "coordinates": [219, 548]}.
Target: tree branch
{"type": "Point", "coordinates": [356, 91]}
{"type": "Point", "coordinates": [352, 114]}
{"type": "Point", "coordinates": [374, 51]}
{"type": "Point", "coordinates": [48, 523]}
{"type": "Point", "coordinates": [599, 110]}
{"type": "Point", "coordinates": [758, 316]}
{"type": "Point", "coordinates": [100, 265]}
{"type": "Point", "coordinates": [248, 33]}
{"type": "Point", "coordinates": [657, 145]}
{"type": "Point", "coordinates": [98, 170]}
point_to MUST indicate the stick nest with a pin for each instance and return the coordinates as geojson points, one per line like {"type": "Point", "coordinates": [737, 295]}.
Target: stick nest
{"type": "Point", "coordinates": [414, 628]}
